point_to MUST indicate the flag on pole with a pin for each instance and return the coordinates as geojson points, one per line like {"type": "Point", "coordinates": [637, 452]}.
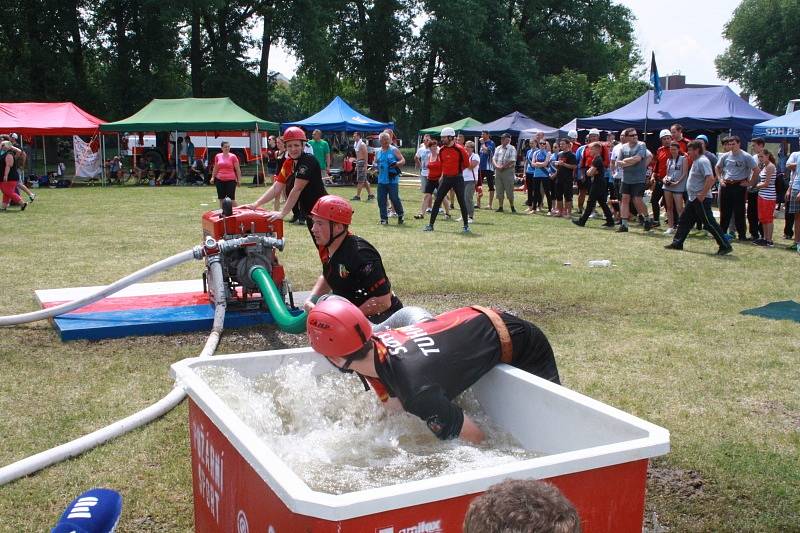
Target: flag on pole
{"type": "Point", "coordinates": [655, 80]}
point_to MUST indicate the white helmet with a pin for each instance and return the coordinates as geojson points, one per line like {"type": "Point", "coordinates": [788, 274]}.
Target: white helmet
{"type": "Point", "coordinates": [572, 134]}
{"type": "Point", "coordinates": [448, 132]}
{"type": "Point", "coordinates": [594, 131]}
{"type": "Point", "coordinates": [14, 136]}
{"type": "Point", "coordinates": [664, 133]}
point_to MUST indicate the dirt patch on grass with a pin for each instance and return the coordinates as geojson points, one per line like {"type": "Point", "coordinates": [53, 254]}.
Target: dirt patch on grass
{"type": "Point", "coordinates": [788, 418]}
{"type": "Point", "coordinates": [677, 482]}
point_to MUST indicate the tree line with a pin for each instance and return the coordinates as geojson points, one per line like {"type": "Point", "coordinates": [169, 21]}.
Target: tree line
{"type": "Point", "coordinates": [418, 62]}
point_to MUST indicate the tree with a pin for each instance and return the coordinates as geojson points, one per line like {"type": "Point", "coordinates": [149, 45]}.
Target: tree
{"type": "Point", "coordinates": [764, 51]}
{"type": "Point", "coordinates": [613, 92]}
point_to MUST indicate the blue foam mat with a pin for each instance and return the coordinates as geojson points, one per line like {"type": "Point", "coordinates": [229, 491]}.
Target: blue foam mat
{"type": "Point", "coordinates": [785, 310]}
{"type": "Point", "coordinates": [160, 321]}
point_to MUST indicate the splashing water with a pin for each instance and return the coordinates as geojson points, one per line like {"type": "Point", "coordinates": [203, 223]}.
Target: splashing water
{"type": "Point", "coordinates": [338, 439]}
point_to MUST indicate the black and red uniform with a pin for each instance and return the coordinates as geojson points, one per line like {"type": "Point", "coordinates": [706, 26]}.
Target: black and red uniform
{"type": "Point", "coordinates": [426, 365]}
{"type": "Point", "coordinates": [355, 272]}
{"type": "Point", "coordinates": [305, 167]}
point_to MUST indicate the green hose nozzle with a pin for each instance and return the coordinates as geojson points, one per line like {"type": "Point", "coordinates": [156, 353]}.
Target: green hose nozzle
{"type": "Point", "coordinates": [272, 297]}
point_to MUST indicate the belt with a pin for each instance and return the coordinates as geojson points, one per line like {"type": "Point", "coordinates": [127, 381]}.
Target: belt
{"type": "Point", "coordinates": [506, 347]}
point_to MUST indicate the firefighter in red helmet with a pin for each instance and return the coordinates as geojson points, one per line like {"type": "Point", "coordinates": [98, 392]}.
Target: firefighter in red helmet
{"type": "Point", "coordinates": [351, 267]}
{"type": "Point", "coordinates": [300, 168]}
{"type": "Point", "coordinates": [425, 366]}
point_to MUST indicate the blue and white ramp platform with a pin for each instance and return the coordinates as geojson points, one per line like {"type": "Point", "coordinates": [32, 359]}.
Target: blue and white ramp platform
{"type": "Point", "coordinates": [144, 309]}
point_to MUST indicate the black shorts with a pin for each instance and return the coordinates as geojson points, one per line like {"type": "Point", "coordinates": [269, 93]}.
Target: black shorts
{"type": "Point", "coordinates": [634, 189]}
{"type": "Point", "coordinates": [381, 317]}
{"type": "Point", "coordinates": [226, 189]}
{"type": "Point", "coordinates": [583, 185]}
{"type": "Point", "coordinates": [532, 351]}
{"type": "Point", "coordinates": [488, 175]}
{"type": "Point", "coordinates": [564, 189]}
{"type": "Point", "coordinates": [431, 186]}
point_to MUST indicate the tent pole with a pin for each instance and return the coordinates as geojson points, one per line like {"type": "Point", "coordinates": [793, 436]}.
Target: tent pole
{"type": "Point", "coordinates": [44, 155]}
{"type": "Point", "coordinates": [102, 160]}
{"type": "Point", "coordinates": [647, 112]}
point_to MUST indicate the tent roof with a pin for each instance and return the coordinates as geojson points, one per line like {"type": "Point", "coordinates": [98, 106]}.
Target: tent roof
{"type": "Point", "coordinates": [458, 125]}
{"type": "Point", "coordinates": [339, 116]}
{"type": "Point", "coordinates": [47, 118]}
{"type": "Point", "coordinates": [512, 123]}
{"type": "Point", "coordinates": [709, 108]}
{"type": "Point", "coordinates": [779, 127]}
{"type": "Point", "coordinates": [191, 114]}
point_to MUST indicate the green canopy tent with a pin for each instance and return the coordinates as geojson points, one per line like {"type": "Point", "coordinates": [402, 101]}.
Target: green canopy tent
{"type": "Point", "coordinates": [458, 125]}
{"type": "Point", "coordinates": [191, 115]}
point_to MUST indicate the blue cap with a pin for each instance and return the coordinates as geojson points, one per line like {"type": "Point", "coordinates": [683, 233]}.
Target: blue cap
{"type": "Point", "coordinates": [703, 138]}
{"type": "Point", "coordinates": [94, 511]}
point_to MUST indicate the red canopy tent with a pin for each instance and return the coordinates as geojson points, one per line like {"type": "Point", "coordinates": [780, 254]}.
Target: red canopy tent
{"type": "Point", "coordinates": [47, 118]}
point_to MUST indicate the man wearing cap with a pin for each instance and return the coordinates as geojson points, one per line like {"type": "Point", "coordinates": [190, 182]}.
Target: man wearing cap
{"type": "Point", "coordinates": [505, 159]}
{"type": "Point", "coordinates": [454, 160]}
{"type": "Point", "coordinates": [351, 267]}
{"type": "Point", "coordinates": [573, 139]}
{"type": "Point", "coordinates": [659, 172]}
{"type": "Point", "coordinates": [426, 365]}
{"type": "Point", "coordinates": [586, 162]}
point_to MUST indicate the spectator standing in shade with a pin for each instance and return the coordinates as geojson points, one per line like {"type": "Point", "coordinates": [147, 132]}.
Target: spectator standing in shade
{"type": "Point", "coordinates": [322, 151]}
{"type": "Point", "coordinates": [362, 155]}
{"type": "Point", "coordinates": [766, 197]}
{"type": "Point", "coordinates": [189, 151]}
{"type": "Point", "coordinates": [698, 187]}
{"type": "Point", "coordinates": [504, 160]}
{"type": "Point", "coordinates": [753, 193]}
{"type": "Point", "coordinates": [633, 161]}
{"type": "Point", "coordinates": [735, 168]}
{"type": "Point", "coordinates": [486, 169]}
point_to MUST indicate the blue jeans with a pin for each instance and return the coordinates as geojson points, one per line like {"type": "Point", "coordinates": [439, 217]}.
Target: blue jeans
{"type": "Point", "coordinates": [392, 190]}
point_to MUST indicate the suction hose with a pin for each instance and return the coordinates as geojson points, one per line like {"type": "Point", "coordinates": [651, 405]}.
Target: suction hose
{"type": "Point", "coordinates": [80, 445]}
{"type": "Point", "coordinates": [272, 297]}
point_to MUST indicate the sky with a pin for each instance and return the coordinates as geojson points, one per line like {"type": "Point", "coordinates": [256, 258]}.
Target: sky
{"type": "Point", "coordinates": [686, 36]}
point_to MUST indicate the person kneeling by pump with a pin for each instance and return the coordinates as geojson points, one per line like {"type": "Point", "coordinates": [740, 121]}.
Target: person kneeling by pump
{"type": "Point", "coordinates": [426, 365]}
{"type": "Point", "coordinates": [351, 267]}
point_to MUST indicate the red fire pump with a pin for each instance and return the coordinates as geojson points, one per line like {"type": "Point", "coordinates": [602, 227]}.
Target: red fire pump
{"type": "Point", "coordinates": [262, 239]}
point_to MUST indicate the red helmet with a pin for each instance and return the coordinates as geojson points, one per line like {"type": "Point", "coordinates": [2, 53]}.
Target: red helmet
{"type": "Point", "coordinates": [333, 208]}
{"type": "Point", "coordinates": [337, 328]}
{"type": "Point", "coordinates": [294, 133]}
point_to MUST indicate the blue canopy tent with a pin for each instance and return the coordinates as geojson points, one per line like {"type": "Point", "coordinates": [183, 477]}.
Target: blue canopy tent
{"type": "Point", "coordinates": [513, 124]}
{"type": "Point", "coordinates": [709, 108]}
{"type": "Point", "coordinates": [338, 116]}
{"type": "Point", "coordinates": [783, 127]}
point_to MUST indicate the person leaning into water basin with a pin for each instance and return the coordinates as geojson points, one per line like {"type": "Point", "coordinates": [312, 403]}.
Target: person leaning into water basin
{"type": "Point", "coordinates": [351, 267]}
{"type": "Point", "coordinates": [426, 365]}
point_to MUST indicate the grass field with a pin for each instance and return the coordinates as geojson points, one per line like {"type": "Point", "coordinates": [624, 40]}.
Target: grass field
{"type": "Point", "coordinates": [659, 335]}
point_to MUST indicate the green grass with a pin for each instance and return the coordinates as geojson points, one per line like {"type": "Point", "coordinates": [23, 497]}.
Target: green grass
{"type": "Point", "coordinates": [659, 335]}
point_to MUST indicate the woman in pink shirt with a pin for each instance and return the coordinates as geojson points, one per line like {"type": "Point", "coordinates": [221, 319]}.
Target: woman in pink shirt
{"type": "Point", "coordinates": [226, 174]}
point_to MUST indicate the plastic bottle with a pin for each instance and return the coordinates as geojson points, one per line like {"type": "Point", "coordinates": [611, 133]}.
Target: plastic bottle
{"type": "Point", "coordinates": [600, 263]}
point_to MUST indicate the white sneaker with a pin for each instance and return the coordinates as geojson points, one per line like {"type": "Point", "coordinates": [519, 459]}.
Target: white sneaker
{"type": "Point", "coordinates": [669, 231]}
{"type": "Point", "coordinates": [459, 219]}
{"type": "Point", "coordinates": [470, 221]}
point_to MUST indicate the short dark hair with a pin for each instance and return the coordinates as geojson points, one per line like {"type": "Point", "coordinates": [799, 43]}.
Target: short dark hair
{"type": "Point", "coordinates": [628, 131]}
{"type": "Point", "coordinates": [677, 126]}
{"type": "Point", "coordinates": [523, 505]}
{"type": "Point", "coordinates": [485, 131]}
{"type": "Point", "coordinates": [696, 145]}
{"type": "Point", "coordinates": [732, 138]}
{"type": "Point", "coordinates": [758, 140]}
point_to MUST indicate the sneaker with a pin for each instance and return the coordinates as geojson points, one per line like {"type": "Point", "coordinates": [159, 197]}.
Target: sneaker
{"type": "Point", "coordinates": [427, 227]}
{"type": "Point", "coordinates": [622, 229]}
{"type": "Point", "coordinates": [448, 216]}
{"type": "Point", "coordinates": [549, 214]}
{"type": "Point", "coordinates": [759, 242]}
{"type": "Point", "coordinates": [23, 206]}
{"type": "Point", "coordinates": [727, 237]}
{"type": "Point", "coordinates": [609, 224]}
{"type": "Point", "coordinates": [33, 196]}
{"type": "Point", "coordinates": [384, 222]}
{"type": "Point", "coordinates": [428, 210]}
{"type": "Point", "coordinates": [724, 251]}
{"type": "Point", "coordinates": [669, 231]}
{"type": "Point", "coordinates": [356, 198]}
{"type": "Point", "coordinates": [300, 222]}
{"type": "Point", "coordinates": [466, 230]}
{"type": "Point", "coordinates": [770, 244]}
{"type": "Point", "coordinates": [459, 219]}
{"type": "Point", "coordinates": [498, 210]}
{"type": "Point", "coordinates": [419, 216]}
{"type": "Point", "coordinates": [656, 224]}
{"type": "Point", "coordinates": [673, 246]}
{"type": "Point", "coordinates": [470, 221]}
{"type": "Point", "coordinates": [577, 223]}
{"type": "Point", "coordinates": [400, 220]}
{"type": "Point", "coordinates": [744, 239]}
{"type": "Point", "coordinates": [648, 225]}
{"type": "Point", "coordinates": [513, 210]}
{"type": "Point", "coordinates": [793, 247]}
{"type": "Point", "coordinates": [370, 197]}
